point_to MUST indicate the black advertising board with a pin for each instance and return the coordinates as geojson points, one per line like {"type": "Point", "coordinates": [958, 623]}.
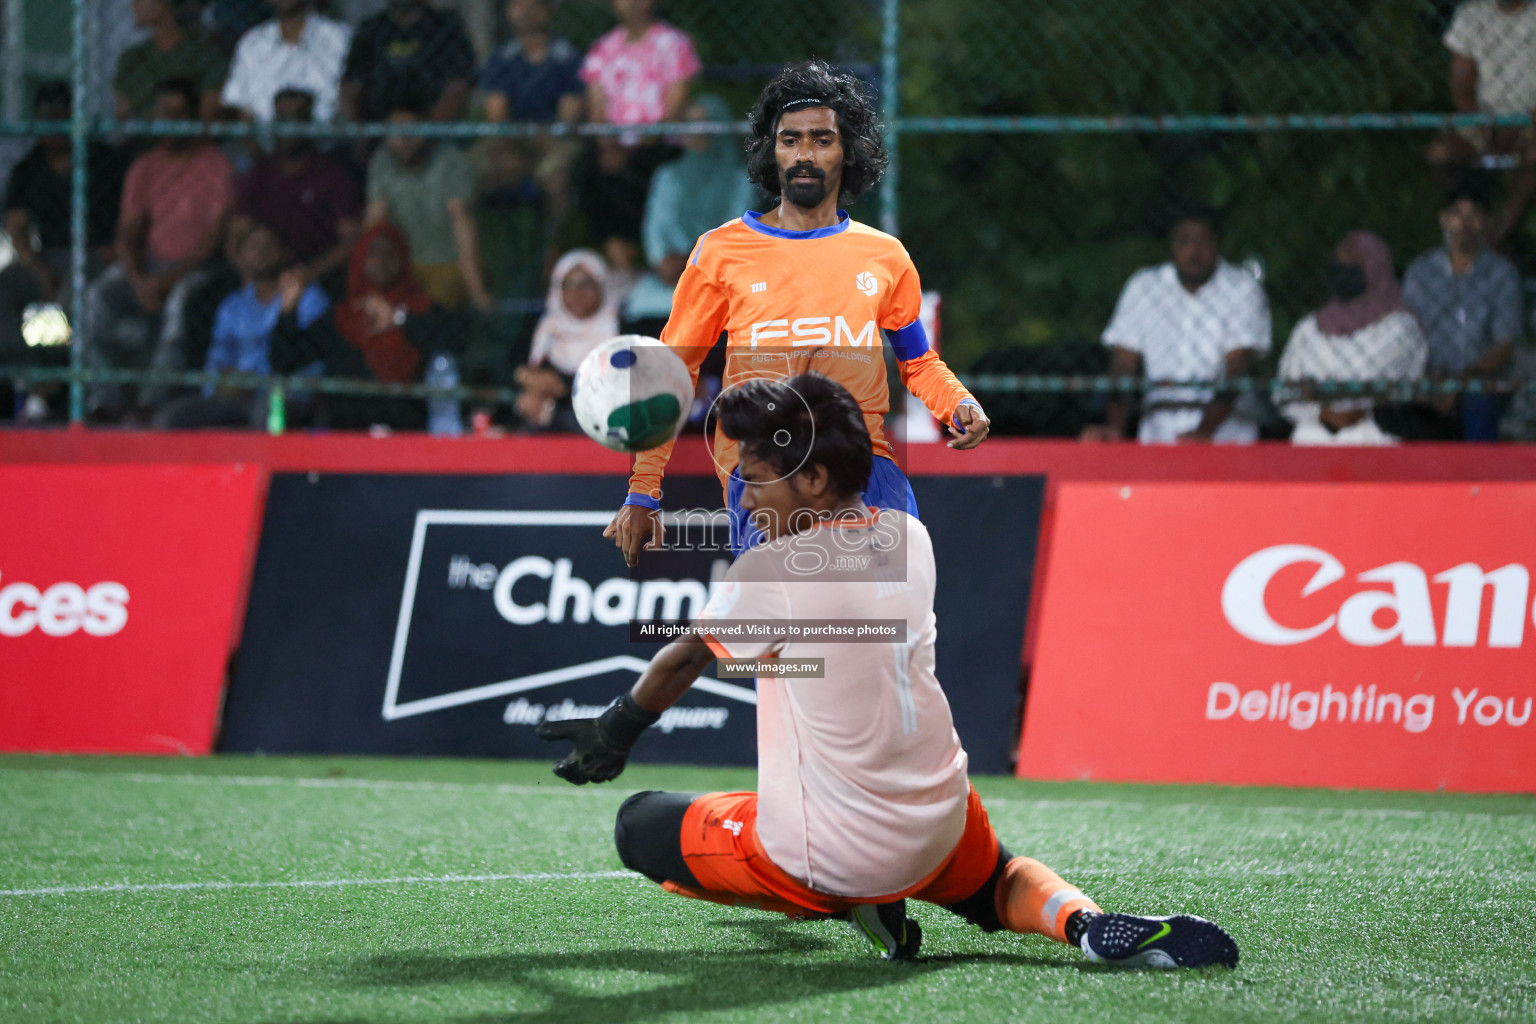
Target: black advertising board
{"type": "Point", "coordinates": [448, 615]}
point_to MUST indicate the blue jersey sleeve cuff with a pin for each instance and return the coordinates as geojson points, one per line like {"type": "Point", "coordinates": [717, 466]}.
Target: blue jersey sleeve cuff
{"type": "Point", "coordinates": [910, 341]}
{"type": "Point", "coordinates": [964, 401]}
{"type": "Point", "coordinates": [645, 500]}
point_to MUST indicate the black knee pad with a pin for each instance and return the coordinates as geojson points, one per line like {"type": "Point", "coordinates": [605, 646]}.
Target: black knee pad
{"type": "Point", "coordinates": [980, 908]}
{"type": "Point", "coordinates": [649, 835]}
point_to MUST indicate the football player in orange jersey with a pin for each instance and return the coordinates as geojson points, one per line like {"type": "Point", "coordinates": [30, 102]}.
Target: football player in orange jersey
{"type": "Point", "coordinates": [804, 287]}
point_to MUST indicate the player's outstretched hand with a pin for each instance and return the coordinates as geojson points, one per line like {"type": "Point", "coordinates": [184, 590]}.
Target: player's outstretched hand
{"type": "Point", "coordinates": [602, 743]}
{"type": "Point", "coordinates": [973, 427]}
{"type": "Point", "coordinates": [593, 760]}
{"type": "Point", "coordinates": [634, 528]}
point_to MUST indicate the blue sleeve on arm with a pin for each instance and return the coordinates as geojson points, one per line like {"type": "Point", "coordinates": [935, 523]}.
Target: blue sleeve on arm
{"type": "Point", "coordinates": [910, 341]}
{"type": "Point", "coordinates": [642, 499]}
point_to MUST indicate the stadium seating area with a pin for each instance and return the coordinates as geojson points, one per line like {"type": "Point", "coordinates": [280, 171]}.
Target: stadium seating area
{"type": "Point", "coordinates": [173, 286]}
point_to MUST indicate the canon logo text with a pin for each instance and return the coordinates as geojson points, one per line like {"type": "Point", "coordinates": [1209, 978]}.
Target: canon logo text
{"type": "Point", "coordinates": [62, 609]}
{"type": "Point", "coordinates": [1408, 599]}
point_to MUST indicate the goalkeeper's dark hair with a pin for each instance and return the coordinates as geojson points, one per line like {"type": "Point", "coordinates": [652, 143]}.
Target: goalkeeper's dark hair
{"type": "Point", "coordinates": [864, 155]}
{"type": "Point", "coordinates": [794, 424]}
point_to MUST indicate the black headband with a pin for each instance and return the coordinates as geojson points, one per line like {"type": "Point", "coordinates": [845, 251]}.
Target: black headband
{"type": "Point", "coordinates": [805, 101]}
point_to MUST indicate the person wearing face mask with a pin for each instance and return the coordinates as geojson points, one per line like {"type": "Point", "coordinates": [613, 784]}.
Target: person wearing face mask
{"type": "Point", "coordinates": [1364, 333]}
{"type": "Point", "coordinates": [1468, 301]}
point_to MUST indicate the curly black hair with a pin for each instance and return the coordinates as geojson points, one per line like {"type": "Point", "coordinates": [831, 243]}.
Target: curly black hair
{"type": "Point", "coordinates": [864, 155]}
{"type": "Point", "coordinates": [808, 420]}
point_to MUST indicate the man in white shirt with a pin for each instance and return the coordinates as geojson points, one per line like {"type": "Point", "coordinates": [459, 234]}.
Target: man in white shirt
{"type": "Point", "coordinates": [1493, 56]}
{"type": "Point", "coordinates": [1196, 318]}
{"type": "Point", "coordinates": [298, 49]}
{"type": "Point", "coordinates": [863, 796]}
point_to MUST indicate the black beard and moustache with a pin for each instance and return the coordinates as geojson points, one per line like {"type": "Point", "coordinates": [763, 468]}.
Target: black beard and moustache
{"type": "Point", "coordinates": [803, 193]}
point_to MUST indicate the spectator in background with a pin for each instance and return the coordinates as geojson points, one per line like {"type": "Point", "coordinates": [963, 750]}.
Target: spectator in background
{"type": "Point", "coordinates": [176, 202]}
{"type": "Point", "coordinates": [1364, 333]}
{"type": "Point", "coordinates": [37, 216]}
{"type": "Point", "coordinates": [305, 195]}
{"type": "Point", "coordinates": [170, 52]}
{"type": "Point", "coordinates": [242, 336]}
{"type": "Point", "coordinates": [1467, 299]}
{"type": "Point", "coordinates": [228, 20]}
{"type": "Point", "coordinates": [37, 219]}
{"type": "Point", "coordinates": [1493, 71]}
{"type": "Point", "coordinates": [695, 193]}
{"type": "Point", "coordinates": [427, 190]}
{"type": "Point", "coordinates": [581, 312]}
{"type": "Point", "coordinates": [384, 329]}
{"type": "Point", "coordinates": [639, 73]}
{"type": "Point", "coordinates": [298, 49]}
{"type": "Point", "coordinates": [533, 77]}
{"type": "Point", "coordinates": [1195, 318]}
{"type": "Point", "coordinates": [408, 53]}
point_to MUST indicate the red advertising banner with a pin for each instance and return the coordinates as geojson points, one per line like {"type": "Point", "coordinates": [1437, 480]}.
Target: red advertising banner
{"type": "Point", "coordinates": [118, 590]}
{"type": "Point", "coordinates": [1350, 635]}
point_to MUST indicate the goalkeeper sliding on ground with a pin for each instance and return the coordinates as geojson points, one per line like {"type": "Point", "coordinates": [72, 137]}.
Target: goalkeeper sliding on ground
{"type": "Point", "coordinates": [864, 801]}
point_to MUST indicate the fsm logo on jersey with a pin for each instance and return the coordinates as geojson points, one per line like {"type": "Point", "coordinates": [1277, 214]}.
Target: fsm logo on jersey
{"type": "Point", "coordinates": [523, 582]}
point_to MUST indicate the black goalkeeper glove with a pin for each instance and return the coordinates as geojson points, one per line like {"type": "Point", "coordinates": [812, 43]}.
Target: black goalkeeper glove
{"type": "Point", "coordinates": [602, 743]}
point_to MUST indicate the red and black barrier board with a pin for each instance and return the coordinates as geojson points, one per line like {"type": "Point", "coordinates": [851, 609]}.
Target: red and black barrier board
{"type": "Point", "coordinates": [448, 615]}
{"type": "Point", "coordinates": [118, 594]}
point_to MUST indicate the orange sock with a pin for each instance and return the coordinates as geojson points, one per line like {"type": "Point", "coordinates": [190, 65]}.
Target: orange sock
{"type": "Point", "coordinates": [1033, 898]}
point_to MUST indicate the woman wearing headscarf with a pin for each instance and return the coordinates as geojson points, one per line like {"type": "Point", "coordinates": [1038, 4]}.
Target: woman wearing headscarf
{"type": "Point", "coordinates": [384, 328]}
{"type": "Point", "coordinates": [1364, 333]}
{"type": "Point", "coordinates": [580, 313]}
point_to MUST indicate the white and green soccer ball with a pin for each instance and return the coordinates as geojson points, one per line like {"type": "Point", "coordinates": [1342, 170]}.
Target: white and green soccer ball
{"type": "Point", "coordinates": [632, 393]}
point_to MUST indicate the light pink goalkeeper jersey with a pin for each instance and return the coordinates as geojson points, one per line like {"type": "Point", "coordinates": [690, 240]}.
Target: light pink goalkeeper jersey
{"type": "Point", "coordinates": [861, 777]}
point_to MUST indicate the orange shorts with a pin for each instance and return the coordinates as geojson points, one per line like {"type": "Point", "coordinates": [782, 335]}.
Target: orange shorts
{"type": "Point", "coordinates": [721, 848]}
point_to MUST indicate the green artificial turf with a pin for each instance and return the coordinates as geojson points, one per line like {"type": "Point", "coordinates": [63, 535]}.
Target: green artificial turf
{"type": "Point", "coordinates": [1348, 907]}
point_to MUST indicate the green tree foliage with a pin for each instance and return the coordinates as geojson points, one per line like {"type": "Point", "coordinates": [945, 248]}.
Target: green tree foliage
{"type": "Point", "coordinates": [1030, 237]}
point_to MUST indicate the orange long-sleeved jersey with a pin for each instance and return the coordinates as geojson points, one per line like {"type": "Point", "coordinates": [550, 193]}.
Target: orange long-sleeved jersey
{"type": "Point", "coordinates": [791, 301]}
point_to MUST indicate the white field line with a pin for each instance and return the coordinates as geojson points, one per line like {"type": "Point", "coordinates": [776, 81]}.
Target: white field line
{"type": "Point", "coordinates": [1234, 873]}
{"type": "Point", "coordinates": [561, 789]}
{"type": "Point", "coordinates": [323, 883]}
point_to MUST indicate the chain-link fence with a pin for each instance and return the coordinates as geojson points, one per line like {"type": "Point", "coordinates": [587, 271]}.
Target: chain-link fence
{"type": "Point", "coordinates": [362, 200]}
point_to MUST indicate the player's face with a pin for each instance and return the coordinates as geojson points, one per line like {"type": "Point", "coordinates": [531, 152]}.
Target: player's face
{"type": "Point", "coordinates": [809, 151]}
{"type": "Point", "coordinates": [1195, 252]}
{"type": "Point", "coordinates": [774, 501]}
